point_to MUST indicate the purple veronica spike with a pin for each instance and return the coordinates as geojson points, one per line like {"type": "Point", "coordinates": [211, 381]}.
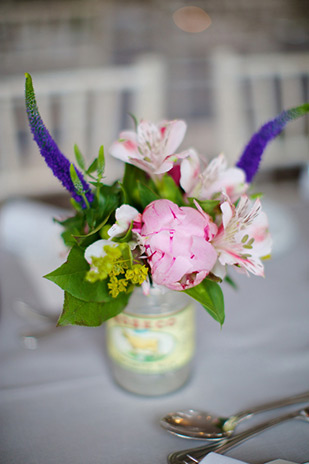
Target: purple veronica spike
{"type": "Point", "coordinates": [251, 157]}
{"type": "Point", "coordinates": [54, 159]}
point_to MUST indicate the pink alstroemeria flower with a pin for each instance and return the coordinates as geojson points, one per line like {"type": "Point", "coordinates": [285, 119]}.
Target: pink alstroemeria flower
{"type": "Point", "coordinates": [213, 180]}
{"type": "Point", "coordinates": [243, 237]}
{"type": "Point", "coordinates": [176, 241]}
{"type": "Point", "coordinates": [152, 148]}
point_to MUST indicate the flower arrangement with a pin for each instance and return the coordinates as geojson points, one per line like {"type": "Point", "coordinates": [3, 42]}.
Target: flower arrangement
{"type": "Point", "coordinates": [172, 220]}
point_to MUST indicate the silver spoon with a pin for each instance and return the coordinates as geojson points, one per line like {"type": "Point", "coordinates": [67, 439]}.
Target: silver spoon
{"type": "Point", "coordinates": [195, 455]}
{"type": "Point", "coordinates": [200, 425]}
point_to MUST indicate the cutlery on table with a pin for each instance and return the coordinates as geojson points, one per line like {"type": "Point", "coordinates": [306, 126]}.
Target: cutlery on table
{"type": "Point", "coordinates": [202, 425]}
{"type": "Point", "coordinates": [195, 455]}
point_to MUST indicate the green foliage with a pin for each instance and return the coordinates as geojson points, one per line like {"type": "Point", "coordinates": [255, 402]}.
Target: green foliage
{"type": "Point", "coordinates": [109, 198]}
{"type": "Point", "coordinates": [253, 196]}
{"type": "Point", "coordinates": [95, 230]}
{"type": "Point", "coordinates": [71, 277]}
{"type": "Point", "coordinates": [93, 167]}
{"type": "Point", "coordinates": [127, 254]}
{"type": "Point", "coordinates": [210, 296]}
{"type": "Point", "coordinates": [146, 195]}
{"type": "Point", "coordinates": [79, 158]}
{"type": "Point", "coordinates": [230, 281]}
{"type": "Point", "coordinates": [169, 190]}
{"type": "Point", "coordinates": [210, 207]}
{"type": "Point", "coordinates": [89, 303]}
{"type": "Point", "coordinates": [76, 180]}
{"type": "Point", "coordinates": [133, 183]}
{"type": "Point", "coordinates": [78, 186]}
{"type": "Point", "coordinates": [79, 312]}
{"type": "Point", "coordinates": [135, 121]}
{"type": "Point", "coordinates": [101, 163]}
{"type": "Point", "coordinates": [73, 226]}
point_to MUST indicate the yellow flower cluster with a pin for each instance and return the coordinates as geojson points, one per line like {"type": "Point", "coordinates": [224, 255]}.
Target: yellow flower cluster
{"type": "Point", "coordinates": [136, 276]}
{"type": "Point", "coordinates": [116, 286]}
{"type": "Point", "coordinates": [119, 270]}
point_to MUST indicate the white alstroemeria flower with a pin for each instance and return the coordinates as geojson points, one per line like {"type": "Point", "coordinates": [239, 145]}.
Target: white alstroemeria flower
{"type": "Point", "coordinates": [210, 182]}
{"type": "Point", "coordinates": [125, 214]}
{"type": "Point", "coordinates": [96, 249]}
{"type": "Point", "coordinates": [190, 170]}
{"type": "Point", "coordinates": [243, 237]}
{"type": "Point", "coordinates": [152, 148]}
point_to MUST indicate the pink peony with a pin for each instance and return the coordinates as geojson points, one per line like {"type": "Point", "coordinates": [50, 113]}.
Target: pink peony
{"type": "Point", "coordinates": [176, 242]}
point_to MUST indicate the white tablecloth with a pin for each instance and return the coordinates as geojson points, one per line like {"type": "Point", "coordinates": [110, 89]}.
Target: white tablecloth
{"type": "Point", "coordinates": [59, 404]}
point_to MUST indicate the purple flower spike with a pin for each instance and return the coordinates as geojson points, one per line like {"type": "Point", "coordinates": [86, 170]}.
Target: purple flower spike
{"type": "Point", "coordinates": [54, 159]}
{"type": "Point", "coordinates": [251, 157]}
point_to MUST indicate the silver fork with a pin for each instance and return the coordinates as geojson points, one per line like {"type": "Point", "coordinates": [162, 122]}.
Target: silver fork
{"type": "Point", "coordinates": [195, 455]}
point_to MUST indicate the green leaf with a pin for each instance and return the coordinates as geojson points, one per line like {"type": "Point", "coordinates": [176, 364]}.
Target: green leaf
{"type": "Point", "coordinates": [78, 186]}
{"type": "Point", "coordinates": [79, 312]}
{"type": "Point", "coordinates": [230, 281]}
{"type": "Point", "coordinates": [91, 217]}
{"type": "Point", "coordinates": [209, 206]}
{"type": "Point", "coordinates": [73, 227]}
{"type": "Point", "coordinates": [93, 166]}
{"type": "Point", "coordinates": [79, 157]}
{"type": "Point", "coordinates": [169, 190]}
{"type": "Point", "coordinates": [129, 185]}
{"type": "Point", "coordinates": [146, 194]}
{"type": "Point", "coordinates": [253, 196]}
{"type": "Point", "coordinates": [134, 120]}
{"type": "Point", "coordinates": [101, 163]}
{"type": "Point", "coordinates": [68, 238]}
{"type": "Point", "coordinates": [76, 205]}
{"type": "Point", "coordinates": [109, 198]}
{"type": "Point", "coordinates": [132, 180]}
{"type": "Point", "coordinates": [127, 254]}
{"type": "Point", "coordinates": [94, 231]}
{"type": "Point", "coordinates": [210, 296]}
{"type": "Point", "coordinates": [71, 278]}
{"type": "Point", "coordinates": [76, 180]}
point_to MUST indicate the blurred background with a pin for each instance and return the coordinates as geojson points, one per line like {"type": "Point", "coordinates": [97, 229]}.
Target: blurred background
{"type": "Point", "coordinates": [223, 66]}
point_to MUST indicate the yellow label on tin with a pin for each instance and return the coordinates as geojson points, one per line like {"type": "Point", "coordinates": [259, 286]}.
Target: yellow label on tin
{"type": "Point", "coordinates": [152, 344]}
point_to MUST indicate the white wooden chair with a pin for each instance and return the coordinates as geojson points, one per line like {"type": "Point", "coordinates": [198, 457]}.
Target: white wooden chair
{"type": "Point", "coordinates": [252, 89]}
{"type": "Point", "coordinates": [86, 106]}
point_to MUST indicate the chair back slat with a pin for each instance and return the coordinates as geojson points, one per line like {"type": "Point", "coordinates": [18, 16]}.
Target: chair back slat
{"type": "Point", "coordinates": [251, 90]}
{"type": "Point", "coordinates": [9, 147]}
